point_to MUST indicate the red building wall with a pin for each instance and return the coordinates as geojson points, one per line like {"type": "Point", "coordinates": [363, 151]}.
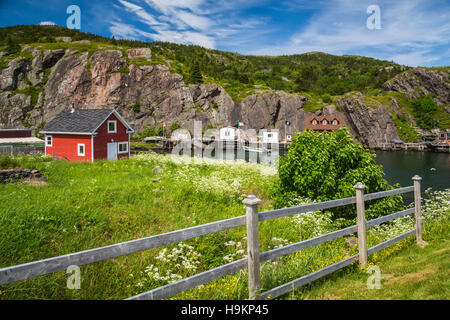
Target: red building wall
{"type": "Point", "coordinates": [67, 145]}
{"type": "Point", "coordinates": [102, 139]}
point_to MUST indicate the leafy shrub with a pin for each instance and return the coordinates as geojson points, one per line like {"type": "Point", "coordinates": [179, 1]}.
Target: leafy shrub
{"type": "Point", "coordinates": [7, 162]}
{"type": "Point", "coordinates": [326, 98]}
{"type": "Point", "coordinates": [137, 107]}
{"type": "Point", "coordinates": [326, 166]}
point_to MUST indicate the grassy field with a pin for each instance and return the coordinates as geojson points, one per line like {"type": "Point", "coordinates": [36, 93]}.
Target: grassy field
{"type": "Point", "coordinates": [415, 272]}
{"type": "Point", "coordinates": [87, 205]}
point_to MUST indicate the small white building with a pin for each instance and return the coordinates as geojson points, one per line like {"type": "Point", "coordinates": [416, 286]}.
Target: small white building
{"type": "Point", "coordinates": [180, 135]}
{"type": "Point", "coordinates": [228, 134]}
{"type": "Point", "coordinates": [270, 136]}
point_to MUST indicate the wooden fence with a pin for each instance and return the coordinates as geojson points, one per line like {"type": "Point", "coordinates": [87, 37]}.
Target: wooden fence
{"type": "Point", "coordinates": [254, 257]}
{"type": "Point", "coordinates": [15, 150]}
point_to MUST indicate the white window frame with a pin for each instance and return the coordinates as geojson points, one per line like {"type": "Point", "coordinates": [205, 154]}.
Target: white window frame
{"type": "Point", "coordinates": [118, 147]}
{"type": "Point", "coordinates": [51, 141]}
{"type": "Point", "coordinates": [115, 126]}
{"type": "Point", "coordinates": [78, 149]}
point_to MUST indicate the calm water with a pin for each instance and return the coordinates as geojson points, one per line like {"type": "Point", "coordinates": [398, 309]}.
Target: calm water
{"type": "Point", "coordinates": [401, 166]}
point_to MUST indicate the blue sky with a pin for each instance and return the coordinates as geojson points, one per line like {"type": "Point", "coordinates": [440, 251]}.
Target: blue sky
{"type": "Point", "coordinates": [412, 32]}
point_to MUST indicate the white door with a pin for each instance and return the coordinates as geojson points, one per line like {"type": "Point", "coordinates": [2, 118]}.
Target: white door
{"type": "Point", "coordinates": [112, 151]}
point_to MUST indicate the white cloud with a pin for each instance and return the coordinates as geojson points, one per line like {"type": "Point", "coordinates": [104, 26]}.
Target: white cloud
{"type": "Point", "coordinates": [126, 31]}
{"type": "Point", "coordinates": [140, 12]}
{"type": "Point", "coordinates": [409, 32]}
{"type": "Point", "coordinates": [47, 23]}
{"type": "Point", "coordinates": [184, 21]}
{"type": "Point", "coordinates": [415, 58]}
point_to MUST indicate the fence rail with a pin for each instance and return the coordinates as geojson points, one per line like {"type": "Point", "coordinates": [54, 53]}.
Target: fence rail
{"type": "Point", "coordinates": [254, 258]}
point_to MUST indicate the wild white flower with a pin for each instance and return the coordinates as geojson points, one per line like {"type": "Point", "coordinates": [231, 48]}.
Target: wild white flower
{"type": "Point", "coordinates": [278, 242]}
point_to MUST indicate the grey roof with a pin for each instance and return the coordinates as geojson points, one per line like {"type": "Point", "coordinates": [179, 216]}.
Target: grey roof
{"type": "Point", "coordinates": [80, 120]}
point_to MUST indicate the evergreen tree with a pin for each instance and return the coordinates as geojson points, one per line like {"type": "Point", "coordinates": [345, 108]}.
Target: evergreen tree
{"type": "Point", "coordinates": [113, 41]}
{"type": "Point", "coordinates": [196, 76]}
{"type": "Point", "coordinates": [12, 46]}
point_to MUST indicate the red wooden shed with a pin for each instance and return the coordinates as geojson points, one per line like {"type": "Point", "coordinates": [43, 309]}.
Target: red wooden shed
{"type": "Point", "coordinates": [88, 135]}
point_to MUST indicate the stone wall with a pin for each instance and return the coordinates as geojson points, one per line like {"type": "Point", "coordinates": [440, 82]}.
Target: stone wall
{"type": "Point", "coordinates": [12, 175]}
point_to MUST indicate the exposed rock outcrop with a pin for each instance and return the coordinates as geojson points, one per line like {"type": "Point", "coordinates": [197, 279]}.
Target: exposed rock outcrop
{"type": "Point", "coordinates": [42, 60]}
{"type": "Point", "coordinates": [371, 126]}
{"type": "Point", "coordinates": [13, 76]}
{"type": "Point", "coordinates": [271, 110]}
{"type": "Point", "coordinates": [419, 81]}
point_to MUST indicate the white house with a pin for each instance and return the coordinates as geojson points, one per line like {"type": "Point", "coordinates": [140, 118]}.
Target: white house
{"type": "Point", "coordinates": [270, 136]}
{"type": "Point", "coordinates": [180, 135]}
{"type": "Point", "coordinates": [228, 134]}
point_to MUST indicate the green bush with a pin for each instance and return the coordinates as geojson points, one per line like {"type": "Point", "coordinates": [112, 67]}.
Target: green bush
{"type": "Point", "coordinates": [7, 162]}
{"type": "Point", "coordinates": [137, 107]}
{"type": "Point", "coordinates": [326, 166]}
{"type": "Point", "coordinates": [327, 98]}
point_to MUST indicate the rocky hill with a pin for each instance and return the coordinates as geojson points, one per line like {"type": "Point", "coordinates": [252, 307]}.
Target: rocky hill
{"type": "Point", "coordinates": [40, 79]}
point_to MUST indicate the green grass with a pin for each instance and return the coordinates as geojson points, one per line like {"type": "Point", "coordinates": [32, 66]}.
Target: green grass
{"type": "Point", "coordinates": [88, 205]}
{"type": "Point", "coordinates": [415, 272]}
{"type": "Point", "coordinates": [405, 131]}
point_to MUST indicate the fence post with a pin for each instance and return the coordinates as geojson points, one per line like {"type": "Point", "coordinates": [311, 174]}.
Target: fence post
{"type": "Point", "coordinates": [417, 209]}
{"type": "Point", "coordinates": [361, 223]}
{"type": "Point", "coordinates": [254, 278]}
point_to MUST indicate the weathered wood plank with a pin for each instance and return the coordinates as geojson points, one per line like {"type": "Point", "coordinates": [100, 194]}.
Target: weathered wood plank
{"type": "Point", "coordinates": [188, 283]}
{"type": "Point", "coordinates": [213, 274]}
{"type": "Point", "coordinates": [278, 213]}
{"type": "Point", "coordinates": [254, 277]}
{"type": "Point", "coordinates": [361, 223]}
{"type": "Point", "coordinates": [388, 193]}
{"type": "Point", "coordinates": [289, 286]}
{"type": "Point", "coordinates": [418, 210]}
{"type": "Point", "coordinates": [389, 217]}
{"type": "Point", "coordinates": [390, 242]}
{"type": "Point", "coordinates": [50, 265]}
{"type": "Point", "coordinates": [294, 247]}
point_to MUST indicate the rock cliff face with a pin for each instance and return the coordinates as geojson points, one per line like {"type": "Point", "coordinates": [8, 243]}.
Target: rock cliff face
{"type": "Point", "coordinates": [146, 94]}
{"type": "Point", "coordinates": [419, 81]}
{"type": "Point", "coordinates": [371, 126]}
{"type": "Point", "coordinates": [33, 91]}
